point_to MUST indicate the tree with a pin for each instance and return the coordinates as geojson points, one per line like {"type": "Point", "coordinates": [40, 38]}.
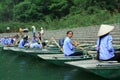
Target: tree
{"type": "Point", "coordinates": [60, 8]}
{"type": "Point", "coordinates": [26, 11]}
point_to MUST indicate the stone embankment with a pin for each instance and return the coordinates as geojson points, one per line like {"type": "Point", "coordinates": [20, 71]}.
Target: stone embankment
{"type": "Point", "coordinates": [85, 35]}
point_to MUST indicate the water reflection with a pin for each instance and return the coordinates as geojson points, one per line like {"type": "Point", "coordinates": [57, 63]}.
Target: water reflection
{"type": "Point", "coordinates": [70, 74]}
{"type": "Point", "coordinates": [20, 67]}
{"type": "Point", "coordinates": [77, 74]}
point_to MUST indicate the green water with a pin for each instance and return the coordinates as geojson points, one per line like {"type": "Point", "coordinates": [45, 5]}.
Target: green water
{"type": "Point", "coordinates": [23, 67]}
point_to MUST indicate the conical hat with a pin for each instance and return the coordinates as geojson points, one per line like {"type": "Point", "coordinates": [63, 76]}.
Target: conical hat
{"type": "Point", "coordinates": [104, 29]}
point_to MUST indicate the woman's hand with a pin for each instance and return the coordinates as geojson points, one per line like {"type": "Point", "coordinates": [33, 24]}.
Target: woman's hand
{"type": "Point", "coordinates": [75, 43]}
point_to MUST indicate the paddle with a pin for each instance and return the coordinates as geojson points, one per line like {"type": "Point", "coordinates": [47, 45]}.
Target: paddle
{"type": "Point", "coordinates": [57, 44]}
{"type": "Point", "coordinates": [85, 51]}
{"type": "Point", "coordinates": [39, 41]}
{"type": "Point", "coordinates": [49, 41]}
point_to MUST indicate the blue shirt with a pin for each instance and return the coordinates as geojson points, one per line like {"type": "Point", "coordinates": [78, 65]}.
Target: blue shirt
{"type": "Point", "coordinates": [68, 47]}
{"type": "Point", "coordinates": [106, 49]}
{"type": "Point", "coordinates": [11, 41]}
{"type": "Point", "coordinates": [2, 41]}
{"type": "Point", "coordinates": [22, 43]}
{"type": "Point", "coordinates": [34, 40]}
{"type": "Point", "coordinates": [35, 45]}
{"type": "Point", "coordinates": [6, 41]}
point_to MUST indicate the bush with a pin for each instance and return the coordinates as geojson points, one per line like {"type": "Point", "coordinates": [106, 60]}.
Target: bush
{"type": "Point", "coordinates": [70, 21]}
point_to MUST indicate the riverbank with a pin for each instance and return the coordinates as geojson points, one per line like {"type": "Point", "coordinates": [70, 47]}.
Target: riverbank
{"type": "Point", "coordinates": [85, 35]}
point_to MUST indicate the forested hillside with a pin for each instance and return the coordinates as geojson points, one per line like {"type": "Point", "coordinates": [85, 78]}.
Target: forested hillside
{"type": "Point", "coordinates": [57, 14]}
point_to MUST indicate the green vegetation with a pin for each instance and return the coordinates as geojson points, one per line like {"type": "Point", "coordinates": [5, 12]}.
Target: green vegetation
{"type": "Point", "coordinates": [57, 14]}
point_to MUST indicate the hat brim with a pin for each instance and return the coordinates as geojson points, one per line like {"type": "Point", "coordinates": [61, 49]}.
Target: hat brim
{"type": "Point", "coordinates": [105, 29]}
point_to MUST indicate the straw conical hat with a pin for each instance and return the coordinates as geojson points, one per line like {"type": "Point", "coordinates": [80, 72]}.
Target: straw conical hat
{"type": "Point", "coordinates": [104, 29]}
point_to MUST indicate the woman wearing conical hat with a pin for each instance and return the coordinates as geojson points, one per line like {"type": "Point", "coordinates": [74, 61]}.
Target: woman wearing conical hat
{"type": "Point", "coordinates": [104, 44]}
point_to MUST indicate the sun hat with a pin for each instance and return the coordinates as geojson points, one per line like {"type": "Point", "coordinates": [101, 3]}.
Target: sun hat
{"type": "Point", "coordinates": [104, 29]}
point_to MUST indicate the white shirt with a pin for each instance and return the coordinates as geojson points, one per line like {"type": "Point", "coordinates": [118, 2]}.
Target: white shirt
{"type": "Point", "coordinates": [34, 29]}
{"type": "Point", "coordinates": [42, 31]}
{"type": "Point", "coordinates": [35, 45]}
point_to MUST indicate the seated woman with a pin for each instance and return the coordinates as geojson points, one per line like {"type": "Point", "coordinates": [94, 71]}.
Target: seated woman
{"type": "Point", "coordinates": [16, 40]}
{"type": "Point", "coordinates": [35, 45]}
{"type": "Point", "coordinates": [2, 40]}
{"type": "Point", "coordinates": [104, 44]}
{"type": "Point", "coordinates": [11, 40]}
{"type": "Point", "coordinates": [6, 41]}
{"type": "Point", "coordinates": [34, 39]}
{"type": "Point", "coordinates": [23, 42]}
{"type": "Point", "coordinates": [69, 46]}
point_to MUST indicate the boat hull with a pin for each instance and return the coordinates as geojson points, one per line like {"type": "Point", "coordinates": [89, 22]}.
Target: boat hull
{"type": "Point", "coordinates": [112, 74]}
{"type": "Point", "coordinates": [105, 69]}
{"type": "Point", "coordinates": [28, 51]}
{"type": "Point", "coordinates": [59, 59]}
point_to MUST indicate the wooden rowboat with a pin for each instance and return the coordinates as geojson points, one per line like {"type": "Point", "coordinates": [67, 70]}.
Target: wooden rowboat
{"type": "Point", "coordinates": [31, 51]}
{"type": "Point", "coordinates": [106, 69]}
{"type": "Point", "coordinates": [47, 50]}
{"type": "Point", "coordinates": [59, 59]}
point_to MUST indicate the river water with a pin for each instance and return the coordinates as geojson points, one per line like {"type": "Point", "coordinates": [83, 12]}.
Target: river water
{"type": "Point", "coordinates": [23, 67]}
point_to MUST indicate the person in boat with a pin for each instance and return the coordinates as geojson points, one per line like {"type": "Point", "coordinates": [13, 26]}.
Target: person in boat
{"type": "Point", "coordinates": [11, 40]}
{"type": "Point", "coordinates": [2, 40]}
{"type": "Point", "coordinates": [35, 45]}
{"type": "Point", "coordinates": [69, 46]}
{"type": "Point", "coordinates": [104, 44]}
{"type": "Point", "coordinates": [39, 35]}
{"type": "Point", "coordinates": [23, 42]}
{"type": "Point", "coordinates": [6, 41]}
{"type": "Point", "coordinates": [16, 40]}
{"type": "Point", "coordinates": [34, 39]}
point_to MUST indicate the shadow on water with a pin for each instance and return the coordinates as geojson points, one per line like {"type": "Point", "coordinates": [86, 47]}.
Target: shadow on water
{"type": "Point", "coordinates": [22, 67]}
{"type": "Point", "coordinates": [76, 74]}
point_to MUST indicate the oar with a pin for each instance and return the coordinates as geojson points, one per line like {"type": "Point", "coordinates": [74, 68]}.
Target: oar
{"type": "Point", "coordinates": [39, 41]}
{"type": "Point", "coordinates": [86, 52]}
{"type": "Point", "coordinates": [92, 54]}
{"type": "Point", "coordinates": [49, 41]}
{"type": "Point", "coordinates": [57, 44]}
